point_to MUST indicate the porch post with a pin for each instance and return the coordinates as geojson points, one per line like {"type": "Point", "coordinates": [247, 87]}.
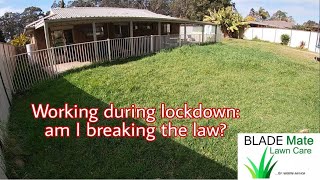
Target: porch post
{"type": "Point", "coordinates": [203, 33]}
{"type": "Point", "coordinates": [131, 29]}
{"type": "Point", "coordinates": [94, 31]}
{"type": "Point", "coordinates": [185, 32]}
{"type": "Point", "coordinates": [50, 51]}
{"type": "Point", "coordinates": [131, 39]}
{"type": "Point", "coordinates": [46, 35]}
{"type": "Point", "coordinates": [159, 33]}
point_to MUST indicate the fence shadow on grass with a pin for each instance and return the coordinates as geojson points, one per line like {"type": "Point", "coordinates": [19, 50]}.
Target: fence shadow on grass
{"type": "Point", "coordinates": [30, 155]}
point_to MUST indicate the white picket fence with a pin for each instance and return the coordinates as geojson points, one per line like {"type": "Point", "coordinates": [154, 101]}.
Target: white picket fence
{"type": "Point", "coordinates": [28, 69]}
{"type": "Point", "coordinates": [311, 39]}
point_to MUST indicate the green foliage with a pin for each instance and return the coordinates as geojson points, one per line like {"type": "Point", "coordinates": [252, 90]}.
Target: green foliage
{"type": "Point", "coordinates": [285, 38]}
{"type": "Point", "coordinates": [263, 13]}
{"type": "Point", "coordinates": [12, 23]}
{"type": "Point", "coordinates": [250, 18]}
{"type": "Point", "coordinates": [282, 16]}
{"type": "Point", "coordinates": [259, 15]}
{"type": "Point", "coordinates": [20, 40]}
{"type": "Point", "coordinates": [261, 172]}
{"type": "Point", "coordinates": [229, 20]}
{"type": "Point", "coordinates": [31, 14]}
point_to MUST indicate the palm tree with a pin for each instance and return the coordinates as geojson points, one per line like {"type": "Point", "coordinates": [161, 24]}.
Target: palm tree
{"type": "Point", "coordinates": [229, 20]}
{"type": "Point", "coordinates": [263, 13]}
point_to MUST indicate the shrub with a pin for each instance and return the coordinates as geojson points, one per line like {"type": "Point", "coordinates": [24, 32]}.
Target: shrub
{"type": "Point", "coordinates": [20, 43]}
{"type": "Point", "coordinates": [20, 40]}
{"type": "Point", "coordinates": [285, 38]}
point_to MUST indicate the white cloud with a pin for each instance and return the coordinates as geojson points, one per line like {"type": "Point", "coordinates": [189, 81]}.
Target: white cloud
{"type": "Point", "coordinates": [9, 9]}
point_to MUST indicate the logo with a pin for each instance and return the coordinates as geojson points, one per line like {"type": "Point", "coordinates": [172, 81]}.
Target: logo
{"type": "Point", "coordinates": [262, 172]}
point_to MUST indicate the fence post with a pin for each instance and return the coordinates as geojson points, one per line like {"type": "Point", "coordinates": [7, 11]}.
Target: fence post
{"type": "Point", "coordinates": [290, 38]}
{"type": "Point", "coordinates": [203, 33]}
{"type": "Point", "coordinates": [109, 49]}
{"type": "Point", "coordinates": [152, 43]}
{"type": "Point", "coordinates": [310, 40]}
{"type": "Point", "coordinates": [216, 33]}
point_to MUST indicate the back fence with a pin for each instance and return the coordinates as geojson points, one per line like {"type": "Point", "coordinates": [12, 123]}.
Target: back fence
{"type": "Point", "coordinates": [311, 39]}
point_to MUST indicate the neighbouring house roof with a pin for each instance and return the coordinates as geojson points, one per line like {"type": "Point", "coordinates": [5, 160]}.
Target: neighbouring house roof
{"type": "Point", "coordinates": [90, 13]}
{"type": "Point", "coordinates": [275, 24]}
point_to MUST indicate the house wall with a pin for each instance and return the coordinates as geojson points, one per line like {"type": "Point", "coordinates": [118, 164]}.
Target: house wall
{"type": "Point", "coordinates": [80, 33]}
{"type": "Point", "coordinates": [174, 28]}
{"type": "Point", "coordinates": [40, 39]}
{"type": "Point", "coordinates": [142, 29]}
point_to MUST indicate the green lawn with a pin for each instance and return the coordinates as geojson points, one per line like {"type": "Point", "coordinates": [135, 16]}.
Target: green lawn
{"type": "Point", "coordinates": [276, 88]}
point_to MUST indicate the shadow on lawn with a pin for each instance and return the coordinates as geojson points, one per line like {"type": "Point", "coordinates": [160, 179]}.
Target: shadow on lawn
{"type": "Point", "coordinates": [30, 155]}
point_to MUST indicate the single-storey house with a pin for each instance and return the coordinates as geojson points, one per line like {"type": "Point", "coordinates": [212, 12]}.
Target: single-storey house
{"type": "Point", "coordinates": [272, 24]}
{"type": "Point", "coordinates": [65, 26]}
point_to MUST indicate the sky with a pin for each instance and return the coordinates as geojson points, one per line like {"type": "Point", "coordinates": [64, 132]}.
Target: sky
{"type": "Point", "coordinates": [300, 10]}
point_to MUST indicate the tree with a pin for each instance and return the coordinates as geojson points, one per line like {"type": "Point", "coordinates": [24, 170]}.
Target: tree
{"type": "Point", "coordinates": [158, 6]}
{"type": "Point", "coordinates": [252, 13]}
{"type": "Point", "coordinates": [250, 18]}
{"type": "Point", "coordinates": [31, 14]}
{"type": "Point", "coordinates": [62, 4]}
{"type": "Point", "coordinates": [229, 20]}
{"type": "Point", "coordinates": [11, 25]}
{"type": "Point", "coordinates": [263, 13]}
{"type": "Point", "coordinates": [180, 8]}
{"type": "Point", "coordinates": [199, 8]}
{"type": "Point", "coordinates": [54, 4]}
{"type": "Point", "coordinates": [195, 9]}
{"type": "Point", "coordinates": [20, 40]}
{"type": "Point", "coordinates": [280, 16]}
{"type": "Point", "coordinates": [2, 39]}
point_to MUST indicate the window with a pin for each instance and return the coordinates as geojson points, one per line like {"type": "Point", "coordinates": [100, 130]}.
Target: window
{"type": "Point", "coordinates": [99, 30]}
{"type": "Point", "coordinates": [166, 28]}
{"type": "Point", "coordinates": [58, 38]}
{"type": "Point", "coordinates": [121, 30]}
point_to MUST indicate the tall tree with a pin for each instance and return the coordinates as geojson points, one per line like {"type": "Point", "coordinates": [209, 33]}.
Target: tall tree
{"type": "Point", "coordinates": [200, 8]}
{"type": "Point", "coordinates": [180, 8]}
{"type": "Point", "coordinates": [263, 13]}
{"type": "Point", "coordinates": [11, 25]}
{"type": "Point", "coordinates": [54, 4]}
{"type": "Point", "coordinates": [252, 12]}
{"type": "Point", "coordinates": [31, 14]}
{"type": "Point", "coordinates": [280, 16]}
{"type": "Point", "coordinates": [158, 6]}
{"type": "Point", "coordinates": [196, 9]}
{"type": "Point", "coordinates": [62, 4]}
